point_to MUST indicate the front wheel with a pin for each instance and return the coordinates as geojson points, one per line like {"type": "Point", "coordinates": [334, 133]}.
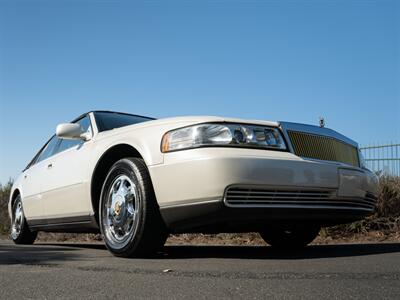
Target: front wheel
{"type": "Point", "coordinates": [130, 220]}
{"type": "Point", "coordinates": [20, 232]}
{"type": "Point", "coordinates": [290, 238]}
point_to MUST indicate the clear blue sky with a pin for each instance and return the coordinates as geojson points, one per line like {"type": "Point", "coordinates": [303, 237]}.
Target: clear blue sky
{"type": "Point", "coordinates": [274, 60]}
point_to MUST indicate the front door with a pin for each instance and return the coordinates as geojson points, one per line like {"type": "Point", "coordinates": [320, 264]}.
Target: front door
{"type": "Point", "coordinates": [66, 194]}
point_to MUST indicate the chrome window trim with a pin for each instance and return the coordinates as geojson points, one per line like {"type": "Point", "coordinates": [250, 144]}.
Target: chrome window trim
{"type": "Point", "coordinates": [55, 150]}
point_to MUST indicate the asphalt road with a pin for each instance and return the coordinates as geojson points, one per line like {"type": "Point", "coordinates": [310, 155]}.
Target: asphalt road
{"type": "Point", "coordinates": [369, 271]}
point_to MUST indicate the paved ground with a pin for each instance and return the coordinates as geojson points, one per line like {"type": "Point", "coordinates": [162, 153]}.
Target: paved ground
{"type": "Point", "coordinates": [370, 271]}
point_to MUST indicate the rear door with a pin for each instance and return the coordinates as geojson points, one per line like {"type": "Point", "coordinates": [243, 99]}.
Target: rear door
{"type": "Point", "coordinates": [33, 182]}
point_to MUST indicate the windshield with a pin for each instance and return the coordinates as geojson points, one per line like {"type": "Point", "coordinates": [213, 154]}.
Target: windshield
{"type": "Point", "coordinates": [110, 120]}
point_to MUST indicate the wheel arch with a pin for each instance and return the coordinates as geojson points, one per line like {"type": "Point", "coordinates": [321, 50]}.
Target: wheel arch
{"type": "Point", "coordinates": [103, 165]}
{"type": "Point", "coordinates": [14, 194]}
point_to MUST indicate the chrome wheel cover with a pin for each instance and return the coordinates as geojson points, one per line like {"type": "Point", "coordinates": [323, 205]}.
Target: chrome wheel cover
{"type": "Point", "coordinates": [120, 211]}
{"type": "Point", "coordinates": [17, 220]}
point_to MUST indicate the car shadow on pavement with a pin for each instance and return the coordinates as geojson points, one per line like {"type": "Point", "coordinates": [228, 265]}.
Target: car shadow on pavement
{"type": "Point", "coordinates": [52, 252]}
{"type": "Point", "coordinates": [35, 254]}
{"type": "Point", "coordinates": [95, 246]}
{"type": "Point", "coordinates": [265, 252]}
{"type": "Point", "coordinates": [255, 252]}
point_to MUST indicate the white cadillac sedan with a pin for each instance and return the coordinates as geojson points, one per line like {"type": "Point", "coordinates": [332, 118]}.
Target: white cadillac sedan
{"type": "Point", "coordinates": [136, 179]}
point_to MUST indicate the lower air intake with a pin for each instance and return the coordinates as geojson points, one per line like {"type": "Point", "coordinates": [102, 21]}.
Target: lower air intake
{"type": "Point", "coordinates": [299, 198]}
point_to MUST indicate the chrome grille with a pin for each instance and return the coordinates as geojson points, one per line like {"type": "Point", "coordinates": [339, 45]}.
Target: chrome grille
{"type": "Point", "coordinates": [323, 148]}
{"type": "Point", "coordinates": [299, 198]}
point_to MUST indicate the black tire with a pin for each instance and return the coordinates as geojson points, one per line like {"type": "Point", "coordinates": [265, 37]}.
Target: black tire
{"type": "Point", "coordinates": [20, 232]}
{"type": "Point", "coordinates": [148, 233]}
{"type": "Point", "coordinates": [290, 238]}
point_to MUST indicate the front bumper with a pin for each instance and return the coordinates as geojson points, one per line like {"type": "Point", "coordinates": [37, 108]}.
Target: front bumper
{"type": "Point", "coordinates": [191, 186]}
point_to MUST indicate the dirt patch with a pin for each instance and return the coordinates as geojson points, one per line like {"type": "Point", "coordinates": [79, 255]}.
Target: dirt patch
{"type": "Point", "coordinates": [233, 239]}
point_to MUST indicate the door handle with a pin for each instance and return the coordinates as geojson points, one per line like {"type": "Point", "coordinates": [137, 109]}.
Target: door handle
{"type": "Point", "coordinates": [50, 165]}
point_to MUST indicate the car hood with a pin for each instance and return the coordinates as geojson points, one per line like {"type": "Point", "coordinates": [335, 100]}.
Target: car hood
{"type": "Point", "coordinates": [176, 122]}
{"type": "Point", "coordinates": [203, 119]}
{"type": "Point", "coordinates": [185, 121]}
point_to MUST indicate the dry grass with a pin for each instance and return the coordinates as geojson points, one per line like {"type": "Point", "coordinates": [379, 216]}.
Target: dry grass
{"type": "Point", "coordinates": [384, 225]}
{"type": "Point", "coordinates": [4, 219]}
{"type": "Point", "coordinates": [389, 197]}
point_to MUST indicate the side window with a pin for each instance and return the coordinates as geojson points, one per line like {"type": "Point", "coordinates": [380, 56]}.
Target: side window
{"type": "Point", "coordinates": [48, 149]}
{"type": "Point", "coordinates": [66, 144]}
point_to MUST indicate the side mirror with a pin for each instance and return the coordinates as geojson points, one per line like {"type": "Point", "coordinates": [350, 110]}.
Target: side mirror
{"type": "Point", "coordinates": [71, 131]}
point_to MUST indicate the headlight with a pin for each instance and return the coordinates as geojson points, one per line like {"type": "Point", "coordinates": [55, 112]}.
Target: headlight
{"type": "Point", "coordinates": [235, 135]}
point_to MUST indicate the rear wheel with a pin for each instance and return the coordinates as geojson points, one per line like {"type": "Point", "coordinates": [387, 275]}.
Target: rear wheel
{"type": "Point", "coordinates": [20, 232]}
{"type": "Point", "coordinates": [290, 238]}
{"type": "Point", "coordinates": [130, 219]}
